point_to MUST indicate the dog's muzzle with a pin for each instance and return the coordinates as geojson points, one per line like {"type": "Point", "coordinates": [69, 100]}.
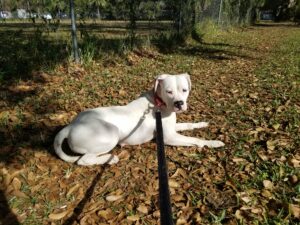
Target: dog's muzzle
{"type": "Point", "coordinates": [178, 104]}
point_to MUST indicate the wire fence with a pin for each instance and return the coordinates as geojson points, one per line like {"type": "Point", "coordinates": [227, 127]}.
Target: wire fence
{"type": "Point", "coordinates": [220, 11]}
{"type": "Point", "coordinates": [104, 25]}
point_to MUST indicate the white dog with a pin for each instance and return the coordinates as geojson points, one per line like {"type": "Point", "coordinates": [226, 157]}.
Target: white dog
{"type": "Point", "coordinates": [95, 132]}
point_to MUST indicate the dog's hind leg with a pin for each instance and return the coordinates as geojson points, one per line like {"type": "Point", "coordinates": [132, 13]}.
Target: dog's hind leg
{"type": "Point", "coordinates": [94, 139]}
{"type": "Point", "coordinates": [92, 159]}
{"type": "Point", "coordinates": [99, 155]}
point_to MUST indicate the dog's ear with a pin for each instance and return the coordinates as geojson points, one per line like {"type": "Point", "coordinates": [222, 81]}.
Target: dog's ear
{"type": "Point", "coordinates": [159, 79]}
{"type": "Point", "coordinates": [187, 76]}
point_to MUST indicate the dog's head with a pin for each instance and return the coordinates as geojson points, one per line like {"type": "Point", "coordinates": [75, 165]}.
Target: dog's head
{"type": "Point", "coordinates": [173, 90]}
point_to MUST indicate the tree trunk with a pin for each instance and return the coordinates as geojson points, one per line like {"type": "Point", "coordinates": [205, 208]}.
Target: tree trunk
{"type": "Point", "coordinates": [132, 21]}
{"type": "Point", "coordinates": [98, 13]}
{"type": "Point", "coordinates": [74, 37]}
{"type": "Point", "coordinates": [178, 19]}
{"type": "Point", "coordinates": [220, 12]}
{"type": "Point", "coordinates": [196, 11]}
{"type": "Point", "coordinates": [252, 15]}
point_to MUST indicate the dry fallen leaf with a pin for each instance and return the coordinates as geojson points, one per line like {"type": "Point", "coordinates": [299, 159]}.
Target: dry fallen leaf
{"type": "Point", "coordinates": [178, 172]}
{"type": "Point", "coordinates": [83, 220]}
{"type": "Point", "coordinates": [122, 92]}
{"type": "Point", "coordinates": [181, 221]}
{"type": "Point", "coordinates": [178, 197]}
{"type": "Point", "coordinates": [276, 126]}
{"type": "Point", "coordinates": [7, 178]}
{"type": "Point", "coordinates": [173, 183]}
{"type": "Point", "coordinates": [253, 95]}
{"type": "Point", "coordinates": [21, 88]}
{"type": "Point", "coordinates": [124, 155]}
{"type": "Point", "coordinates": [156, 214]}
{"type": "Point", "coordinates": [295, 163]}
{"type": "Point", "coordinates": [16, 183]}
{"type": "Point", "coordinates": [143, 209]}
{"type": "Point", "coordinates": [245, 197]}
{"type": "Point", "coordinates": [106, 214]}
{"type": "Point", "coordinates": [20, 194]}
{"type": "Point", "coordinates": [271, 145]}
{"type": "Point", "coordinates": [238, 215]}
{"type": "Point", "coordinates": [133, 218]}
{"type": "Point", "coordinates": [57, 117]}
{"type": "Point", "coordinates": [72, 189]}
{"type": "Point", "coordinates": [238, 160]}
{"type": "Point", "coordinates": [112, 198]}
{"type": "Point", "coordinates": [263, 156]}
{"type": "Point", "coordinates": [266, 193]}
{"type": "Point", "coordinates": [256, 210]}
{"type": "Point", "coordinates": [58, 216]}
{"type": "Point", "coordinates": [268, 184]}
{"type": "Point", "coordinates": [295, 210]}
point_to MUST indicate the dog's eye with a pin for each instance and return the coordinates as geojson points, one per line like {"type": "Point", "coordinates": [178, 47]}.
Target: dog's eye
{"type": "Point", "coordinates": [170, 92]}
{"type": "Point", "coordinates": [184, 90]}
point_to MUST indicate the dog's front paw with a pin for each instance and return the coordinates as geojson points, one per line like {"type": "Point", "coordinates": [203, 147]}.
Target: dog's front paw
{"type": "Point", "coordinates": [113, 160]}
{"type": "Point", "coordinates": [200, 125]}
{"type": "Point", "coordinates": [210, 144]}
{"type": "Point", "coordinates": [215, 144]}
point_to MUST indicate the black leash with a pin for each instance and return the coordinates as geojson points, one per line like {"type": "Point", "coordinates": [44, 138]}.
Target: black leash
{"type": "Point", "coordinates": [164, 193]}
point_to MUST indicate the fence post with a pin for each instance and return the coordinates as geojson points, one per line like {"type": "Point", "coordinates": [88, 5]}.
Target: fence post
{"type": "Point", "coordinates": [220, 12]}
{"type": "Point", "coordinates": [74, 37]}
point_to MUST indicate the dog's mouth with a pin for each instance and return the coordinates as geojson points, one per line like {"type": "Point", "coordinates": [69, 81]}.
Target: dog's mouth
{"type": "Point", "coordinates": [179, 106]}
{"type": "Point", "coordinates": [179, 109]}
{"type": "Point", "coordinates": [158, 101]}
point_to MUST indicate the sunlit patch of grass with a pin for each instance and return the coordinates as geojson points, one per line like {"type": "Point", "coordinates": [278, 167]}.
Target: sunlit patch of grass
{"type": "Point", "coordinates": [195, 197]}
{"type": "Point", "coordinates": [68, 172]}
{"type": "Point", "coordinates": [32, 219]}
{"type": "Point", "coordinates": [48, 208]}
{"type": "Point", "coordinates": [4, 120]}
{"type": "Point", "coordinates": [217, 219]}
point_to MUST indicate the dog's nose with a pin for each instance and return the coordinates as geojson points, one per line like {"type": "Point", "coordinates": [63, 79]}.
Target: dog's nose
{"type": "Point", "coordinates": [178, 104]}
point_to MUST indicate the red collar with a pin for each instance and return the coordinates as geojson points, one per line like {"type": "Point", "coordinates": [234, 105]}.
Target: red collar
{"type": "Point", "coordinates": [158, 102]}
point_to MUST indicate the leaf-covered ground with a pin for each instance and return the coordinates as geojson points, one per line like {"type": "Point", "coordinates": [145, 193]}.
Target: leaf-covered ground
{"type": "Point", "coordinates": [246, 83]}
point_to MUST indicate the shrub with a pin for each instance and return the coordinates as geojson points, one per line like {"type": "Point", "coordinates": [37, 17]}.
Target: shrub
{"type": "Point", "coordinates": [169, 40]}
{"type": "Point", "coordinates": [204, 28]}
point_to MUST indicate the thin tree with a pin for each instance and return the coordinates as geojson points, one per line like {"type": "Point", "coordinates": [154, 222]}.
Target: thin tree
{"type": "Point", "coordinates": [73, 32]}
{"type": "Point", "coordinates": [98, 4]}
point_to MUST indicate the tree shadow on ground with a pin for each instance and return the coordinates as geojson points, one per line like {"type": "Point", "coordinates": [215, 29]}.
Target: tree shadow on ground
{"type": "Point", "coordinates": [210, 51]}
{"type": "Point", "coordinates": [27, 47]}
{"type": "Point", "coordinates": [87, 197]}
{"type": "Point", "coordinates": [213, 52]}
{"type": "Point", "coordinates": [33, 137]}
{"type": "Point", "coordinates": [22, 53]}
{"type": "Point", "coordinates": [277, 24]}
{"type": "Point", "coordinates": [170, 43]}
{"type": "Point", "coordinates": [7, 217]}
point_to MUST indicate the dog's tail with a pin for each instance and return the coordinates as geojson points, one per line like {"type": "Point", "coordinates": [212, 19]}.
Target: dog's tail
{"type": "Point", "coordinates": [60, 137]}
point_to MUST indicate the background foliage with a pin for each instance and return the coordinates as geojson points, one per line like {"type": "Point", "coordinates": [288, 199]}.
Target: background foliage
{"type": "Point", "coordinates": [237, 11]}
